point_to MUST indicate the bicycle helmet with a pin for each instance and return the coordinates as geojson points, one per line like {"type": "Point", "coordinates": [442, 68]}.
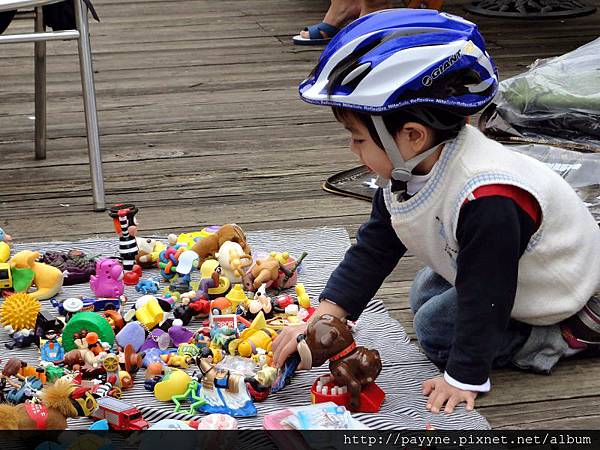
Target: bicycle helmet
{"type": "Point", "coordinates": [404, 59]}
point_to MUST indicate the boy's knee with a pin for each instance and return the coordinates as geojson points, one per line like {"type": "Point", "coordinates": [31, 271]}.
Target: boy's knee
{"type": "Point", "coordinates": [433, 344]}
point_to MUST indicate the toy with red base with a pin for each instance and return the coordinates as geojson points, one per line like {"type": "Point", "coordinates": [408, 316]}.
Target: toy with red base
{"type": "Point", "coordinates": [120, 415]}
{"type": "Point", "coordinates": [324, 389]}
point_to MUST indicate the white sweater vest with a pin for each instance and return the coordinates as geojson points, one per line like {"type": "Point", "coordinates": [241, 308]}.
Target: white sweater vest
{"type": "Point", "coordinates": [560, 269]}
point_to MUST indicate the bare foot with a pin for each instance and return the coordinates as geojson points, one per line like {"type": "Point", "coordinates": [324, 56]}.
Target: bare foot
{"type": "Point", "coordinates": [338, 14]}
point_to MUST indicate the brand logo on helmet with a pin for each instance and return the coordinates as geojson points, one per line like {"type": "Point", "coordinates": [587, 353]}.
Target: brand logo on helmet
{"type": "Point", "coordinates": [428, 79]}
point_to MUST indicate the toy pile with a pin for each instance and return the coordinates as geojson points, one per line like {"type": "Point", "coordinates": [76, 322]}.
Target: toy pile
{"type": "Point", "coordinates": [198, 335]}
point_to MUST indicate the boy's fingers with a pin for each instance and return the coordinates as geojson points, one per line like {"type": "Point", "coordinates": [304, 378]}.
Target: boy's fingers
{"type": "Point", "coordinates": [428, 387]}
{"type": "Point", "coordinates": [282, 354]}
{"type": "Point", "coordinates": [470, 403]}
{"type": "Point", "coordinates": [439, 401]}
{"type": "Point", "coordinates": [431, 399]}
{"type": "Point", "coordinates": [451, 404]}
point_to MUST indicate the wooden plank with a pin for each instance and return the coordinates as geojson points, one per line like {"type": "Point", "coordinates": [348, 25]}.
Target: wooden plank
{"type": "Point", "coordinates": [534, 415]}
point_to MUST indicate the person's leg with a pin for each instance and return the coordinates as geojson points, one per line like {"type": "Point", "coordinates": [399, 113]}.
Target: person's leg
{"type": "Point", "coordinates": [339, 13]}
{"type": "Point", "coordinates": [434, 303]}
{"type": "Point", "coordinates": [427, 284]}
{"type": "Point", "coordinates": [369, 6]}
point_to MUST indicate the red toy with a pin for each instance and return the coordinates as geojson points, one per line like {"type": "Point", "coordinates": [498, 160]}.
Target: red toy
{"type": "Point", "coordinates": [120, 415]}
{"type": "Point", "coordinates": [132, 277]}
{"type": "Point", "coordinates": [371, 395]}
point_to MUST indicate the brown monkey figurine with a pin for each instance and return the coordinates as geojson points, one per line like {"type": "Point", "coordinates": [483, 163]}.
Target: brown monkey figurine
{"type": "Point", "coordinates": [328, 338]}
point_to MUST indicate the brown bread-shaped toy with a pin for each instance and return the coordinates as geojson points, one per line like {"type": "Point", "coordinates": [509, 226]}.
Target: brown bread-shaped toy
{"type": "Point", "coordinates": [329, 338]}
{"type": "Point", "coordinates": [207, 247]}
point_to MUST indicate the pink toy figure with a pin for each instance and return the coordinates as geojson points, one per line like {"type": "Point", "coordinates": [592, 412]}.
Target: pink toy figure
{"type": "Point", "coordinates": [108, 281]}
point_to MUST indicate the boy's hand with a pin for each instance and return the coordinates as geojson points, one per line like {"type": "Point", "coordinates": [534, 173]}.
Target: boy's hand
{"type": "Point", "coordinates": [440, 393]}
{"type": "Point", "coordinates": [286, 343]}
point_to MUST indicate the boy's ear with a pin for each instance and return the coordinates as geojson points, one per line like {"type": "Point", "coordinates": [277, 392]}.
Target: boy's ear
{"type": "Point", "coordinates": [417, 136]}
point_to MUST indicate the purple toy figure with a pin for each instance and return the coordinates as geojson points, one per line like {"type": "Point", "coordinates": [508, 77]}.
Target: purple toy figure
{"type": "Point", "coordinates": [108, 281]}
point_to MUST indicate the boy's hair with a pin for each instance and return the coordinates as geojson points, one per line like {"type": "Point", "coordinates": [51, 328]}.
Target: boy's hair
{"type": "Point", "coordinates": [445, 125]}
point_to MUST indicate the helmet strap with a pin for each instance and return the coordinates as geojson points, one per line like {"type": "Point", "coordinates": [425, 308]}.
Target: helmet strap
{"type": "Point", "coordinates": [402, 169]}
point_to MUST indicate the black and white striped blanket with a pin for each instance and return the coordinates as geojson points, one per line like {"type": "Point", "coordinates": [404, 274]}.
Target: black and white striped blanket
{"type": "Point", "coordinates": [404, 367]}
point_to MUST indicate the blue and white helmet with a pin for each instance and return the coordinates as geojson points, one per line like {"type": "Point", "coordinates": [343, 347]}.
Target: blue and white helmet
{"type": "Point", "coordinates": [399, 58]}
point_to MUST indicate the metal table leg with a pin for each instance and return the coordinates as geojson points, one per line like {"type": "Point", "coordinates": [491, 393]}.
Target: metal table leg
{"type": "Point", "coordinates": [89, 103]}
{"type": "Point", "coordinates": [40, 87]}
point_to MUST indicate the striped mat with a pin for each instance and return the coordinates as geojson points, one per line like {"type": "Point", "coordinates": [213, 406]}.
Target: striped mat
{"type": "Point", "coordinates": [404, 367]}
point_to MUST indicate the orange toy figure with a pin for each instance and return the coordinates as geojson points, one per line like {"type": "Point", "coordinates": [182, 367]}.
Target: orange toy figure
{"type": "Point", "coordinates": [94, 343]}
{"type": "Point", "coordinates": [50, 414]}
{"type": "Point", "coordinates": [208, 246]}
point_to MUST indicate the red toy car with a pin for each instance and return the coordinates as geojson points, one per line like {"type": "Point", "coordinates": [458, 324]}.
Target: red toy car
{"type": "Point", "coordinates": [120, 415]}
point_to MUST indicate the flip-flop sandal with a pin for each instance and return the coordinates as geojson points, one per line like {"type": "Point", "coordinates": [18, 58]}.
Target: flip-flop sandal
{"type": "Point", "coordinates": [315, 36]}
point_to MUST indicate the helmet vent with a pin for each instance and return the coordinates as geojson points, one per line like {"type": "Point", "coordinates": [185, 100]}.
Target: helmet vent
{"type": "Point", "coordinates": [359, 71]}
{"type": "Point", "coordinates": [349, 65]}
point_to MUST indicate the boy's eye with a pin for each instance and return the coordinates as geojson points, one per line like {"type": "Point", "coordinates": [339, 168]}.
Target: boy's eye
{"type": "Point", "coordinates": [358, 141]}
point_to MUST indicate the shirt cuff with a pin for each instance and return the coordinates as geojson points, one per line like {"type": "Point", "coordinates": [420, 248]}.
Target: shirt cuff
{"type": "Point", "coordinates": [485, 387]}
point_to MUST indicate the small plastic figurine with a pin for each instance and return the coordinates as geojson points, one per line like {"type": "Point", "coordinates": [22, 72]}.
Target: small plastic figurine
{"type": "Point", "coordinates": [257, 336]}
{"type": "Point", "coordinates": [20, 339]}
{"type": "Point", "coordinates": [233, 261]}
{"type": "Point", "coordinates": [108, 281]}
{"type": "Point", "coordinates": [147, 287]}
{"type": "Point", "coordinates": [132, 277]}
{"type": "Point", "coordinates": [47, 279]}
{"type": "Point", "coordinates": [51, 349]}
{"type": "Point", "coordinates": [123, 216]}
{"type": "Point", "coordinates": [261, 302]}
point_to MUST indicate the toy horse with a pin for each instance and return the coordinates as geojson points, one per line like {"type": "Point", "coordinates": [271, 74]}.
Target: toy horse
{"type": "Point", "coordinates": [328, 338]}
{"type": "Point", "coordinates": [50, 414]}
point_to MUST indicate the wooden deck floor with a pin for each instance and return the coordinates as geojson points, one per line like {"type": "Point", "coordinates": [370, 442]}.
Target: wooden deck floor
{"type": "Point", "coordinates": [200, 124]}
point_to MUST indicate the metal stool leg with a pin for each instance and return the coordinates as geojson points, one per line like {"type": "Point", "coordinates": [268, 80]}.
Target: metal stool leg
{"type": "Point", "coordinates": [89, 103]}
{"type": "Point", "coordinates": [40, 88]}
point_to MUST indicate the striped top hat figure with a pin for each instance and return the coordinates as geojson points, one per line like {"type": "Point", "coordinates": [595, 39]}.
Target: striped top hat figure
{"type": "Point", "coordinates": [123, 216]}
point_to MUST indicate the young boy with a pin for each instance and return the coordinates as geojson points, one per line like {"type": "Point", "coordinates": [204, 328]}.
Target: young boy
{"type": "Point", "coordinates": [511, 252]}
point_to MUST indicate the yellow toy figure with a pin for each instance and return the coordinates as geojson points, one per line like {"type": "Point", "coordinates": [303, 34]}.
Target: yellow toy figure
{"type": "Point", "coordinates": [303, 298]}
{"type": "Point", "coordinates": [237, 297]}
{"type": "Point", "coordinates": [4, 247]}
{"type": "Point", "coordinates": [258, 335]}
{"type": "Point", "coordinates": [174, 360]}
{"type": "Point", "coordinates": [47, 279]}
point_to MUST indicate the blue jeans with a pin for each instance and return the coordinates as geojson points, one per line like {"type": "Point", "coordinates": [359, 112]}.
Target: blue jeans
{"type": "Point", "coordinates": [434, 303]}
